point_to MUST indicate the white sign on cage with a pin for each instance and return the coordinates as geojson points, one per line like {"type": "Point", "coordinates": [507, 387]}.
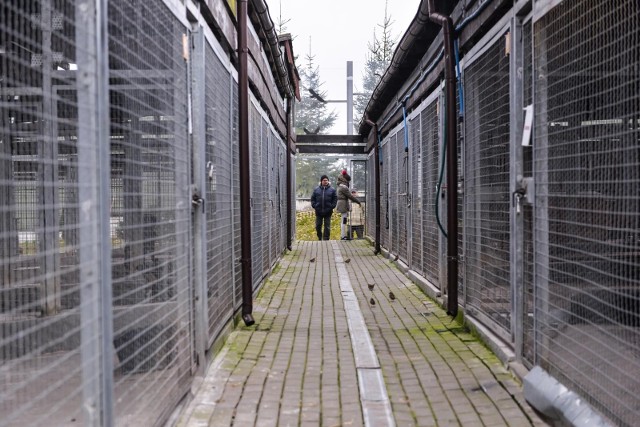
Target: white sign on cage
{"type": "Point", "coordinates": [528, 122]}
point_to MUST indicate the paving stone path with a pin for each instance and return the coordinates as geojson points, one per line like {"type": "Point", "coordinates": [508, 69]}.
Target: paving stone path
{"type": "Point", "coordinates": [299, 366]}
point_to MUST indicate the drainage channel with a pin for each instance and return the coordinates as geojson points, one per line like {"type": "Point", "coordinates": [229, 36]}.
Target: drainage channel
{"type": "Point", "coordinates": [376, 408]}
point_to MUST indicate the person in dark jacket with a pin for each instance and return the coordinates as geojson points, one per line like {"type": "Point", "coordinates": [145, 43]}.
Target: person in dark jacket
{"type": "Point", "coordinates": [324, 200]}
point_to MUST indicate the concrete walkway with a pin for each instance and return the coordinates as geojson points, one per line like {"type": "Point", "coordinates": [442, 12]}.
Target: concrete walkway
{"type": "Point", "coordinates": [327, 350]}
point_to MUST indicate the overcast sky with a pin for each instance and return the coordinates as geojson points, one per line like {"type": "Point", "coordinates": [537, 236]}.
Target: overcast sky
{"type": "Point", "coordinates": [337, 31]}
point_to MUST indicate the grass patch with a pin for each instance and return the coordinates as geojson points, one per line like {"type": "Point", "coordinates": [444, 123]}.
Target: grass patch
{"type": "Point", "coordinates": [306, 226]}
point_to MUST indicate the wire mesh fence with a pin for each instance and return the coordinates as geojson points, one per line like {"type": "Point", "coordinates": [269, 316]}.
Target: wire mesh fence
{"type": "Point", "coordinates": [394, 197]}
{"type": "Point", "coordinates": [402, 193]}
{"type": "Point", "coordinates": [385, 198]}
{"type": "Point", "coordinates": [97, 270]}
{"type": "Point", "coordinates": [486, 176]}
{"type": "Point", "coordinates": [263, 196]}
{"type": "Point", "coordinates": [578, 218]}
{"type": "Point", "coordinates": [586, 166]}
{"type": "Point", "coordinates": [370, 207]}
{"type": "Point", "coordinates": [151, 282]}
{"type": "Point", "coordinates": [220, 191]}
{"type": "Point", "coordinates": [237, 248]}
{"type": "Point", "coordinates": [430, 177]}
{"type": "Point", "coordinates": [416, 194]}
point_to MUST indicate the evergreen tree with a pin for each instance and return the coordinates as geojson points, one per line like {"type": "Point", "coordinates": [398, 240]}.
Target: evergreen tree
{"type": "Point", "coordinates": [380, 52]}
{"type": "Point", "coordinates": [311, 112]}
{"type": "Point", "coordinates": [312, 117]}
{"type": "Point", "coordinates": [281, 22]}
{"type": "Point", "coordinates": [310, 169]}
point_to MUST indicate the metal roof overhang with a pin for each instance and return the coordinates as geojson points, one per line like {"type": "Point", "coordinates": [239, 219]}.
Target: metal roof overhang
{"type": "Point", "coordinates": [409, 52]}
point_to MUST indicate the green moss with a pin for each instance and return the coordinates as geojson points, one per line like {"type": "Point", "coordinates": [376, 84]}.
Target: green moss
{"type": "Point", "coordinates": [460, 317]}
{"type": "Point", "coordinates": [276, 268]}
{"type": "Point", "coordinates": [417, 331]}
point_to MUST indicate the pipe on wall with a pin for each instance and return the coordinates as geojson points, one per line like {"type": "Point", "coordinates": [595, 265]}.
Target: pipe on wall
{"type": "Point", "coordinates": [245, 167]}
{"type": "Point", "coordinates": [452, 156]}
{"type": "Point", "coordinates": [289, 158]}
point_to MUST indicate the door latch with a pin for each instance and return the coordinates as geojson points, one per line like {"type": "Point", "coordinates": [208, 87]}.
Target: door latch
{"type": "Point", "coordinates": [524, 192]}
{"type": "Point", "coordinates": [197, 200]}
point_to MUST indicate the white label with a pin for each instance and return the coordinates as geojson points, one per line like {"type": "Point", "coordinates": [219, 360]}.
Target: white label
{"type": "Point", "coordinates": [528, 122]}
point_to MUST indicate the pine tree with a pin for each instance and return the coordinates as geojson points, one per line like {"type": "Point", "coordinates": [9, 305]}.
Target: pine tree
{"type": "Point", "coordinates": [311, 113]}
{"type": "Point", "coordinates": [281, 22]}
{"type": "Point", "coordinates": [312, 117]}
{"type": "Point", "coordinates": [380, 52]}
{"type": "Point", "coordinates": [310, 169]}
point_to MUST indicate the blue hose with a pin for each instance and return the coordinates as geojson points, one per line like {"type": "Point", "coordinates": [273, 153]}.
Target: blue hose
{"type": "Point", "coordinates": [379, 149]}
{"type": "Point", "coordinates": [406, 128]}
{"type": "Point", "coordinates": [459, 75]}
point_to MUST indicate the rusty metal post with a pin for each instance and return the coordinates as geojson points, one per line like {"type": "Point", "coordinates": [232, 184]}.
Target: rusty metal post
{"type": "Point", "coordinates": [288, 136]}
{"type": "Point", "coordinates": [452, 157]}
{"type": "Point", "coordinates": [245, 167]}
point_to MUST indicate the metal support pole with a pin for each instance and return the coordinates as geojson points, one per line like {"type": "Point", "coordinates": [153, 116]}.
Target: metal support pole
{"type": "Point", "coordinates": [516, 223]}
{"type": "Point", "coordinates": [245, 166]}
{"type": "Point", "coordinates": [349, 97]}
{"type": "Point", "coordinates": [94, 167]}
{"type": "Point", "coordinates": [48, 171]}
{"type": "Point", "coordinates": [200, 190]}
{"type": "Point", "coordinates": [185, 359]}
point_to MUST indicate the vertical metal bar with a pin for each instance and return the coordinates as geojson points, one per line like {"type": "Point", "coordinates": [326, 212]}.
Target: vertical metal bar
{"type": "Point", "coordinates": [48, 175]}
{"type": "Point", "coordinates": [132, 198]}
{"type": "Point", "coordinates": [245, 172]}
{"type": "Point", "coordinates": [198, 159]}
{"type": "Point", "coordinates": [103, 142]}
{"type": "Point", "coordinates": [183, 205]}
{"type": "Point", "coordinates": [7, 225]}
{"type": "Point", "coordinates": [541, 191]}
{"type": "Point", "coordinates": [515, 170]}
{"type": "Point", "coordinates": [349, 97]}
{"type": "Point", "coordinates": [94, 199]}
{"type": "Point", "coordinates": [91, 263]}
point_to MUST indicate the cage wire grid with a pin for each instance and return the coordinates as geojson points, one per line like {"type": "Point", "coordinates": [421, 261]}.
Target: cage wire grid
{"type": "Point", "coordinates": [52, 335]}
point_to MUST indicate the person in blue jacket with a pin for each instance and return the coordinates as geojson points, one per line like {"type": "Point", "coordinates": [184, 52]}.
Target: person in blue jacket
{"type": "Point", "coordinates": [324, 200]}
